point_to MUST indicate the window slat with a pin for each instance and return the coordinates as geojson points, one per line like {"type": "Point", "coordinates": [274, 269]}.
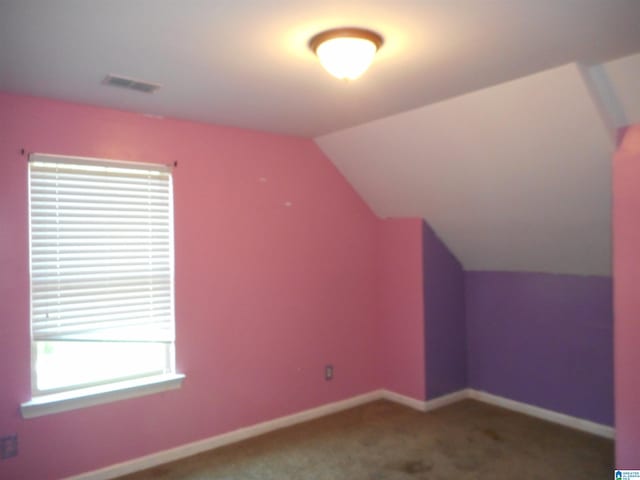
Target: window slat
{"type": "Point", "coordinates": [101, 251]}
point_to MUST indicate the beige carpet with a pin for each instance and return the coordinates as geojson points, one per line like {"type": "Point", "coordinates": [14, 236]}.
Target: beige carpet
{"type": "Point", "coordinates": [384, 441]}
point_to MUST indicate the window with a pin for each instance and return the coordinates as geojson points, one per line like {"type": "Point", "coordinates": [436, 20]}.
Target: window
{"type": "Point", "coordinates": [101, 264]}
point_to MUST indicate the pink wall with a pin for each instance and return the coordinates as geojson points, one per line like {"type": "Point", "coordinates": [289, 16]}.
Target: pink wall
{"type": "Point", "coordinates": [265, 294]}
{"type": "Point", "coordinates": [401, 355]}
{"type": "Point", "coordinates": [626, 282]}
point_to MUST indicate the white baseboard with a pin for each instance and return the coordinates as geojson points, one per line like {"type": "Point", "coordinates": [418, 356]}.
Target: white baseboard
{"type": "Point", "coordinates": [183, 451]}
{"type": "Point", "coordinates": [447, 399]}
{"type": "Point", "coordinates": [193, 448]}
{"type": "Point", "coordinates": [422, 405]}
{"type": "Point", "coordinates": [551, 416]}
{"type": "Point", "coordinates": [402, 399]}
{"type": "Point", "coordinates": [576, 423]}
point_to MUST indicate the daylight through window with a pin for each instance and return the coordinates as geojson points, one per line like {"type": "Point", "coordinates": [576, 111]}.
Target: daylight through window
{"type": "Point", "coordinates": [102, 303]}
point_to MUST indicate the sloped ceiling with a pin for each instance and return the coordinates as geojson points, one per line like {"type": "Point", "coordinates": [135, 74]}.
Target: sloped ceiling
{"type": "Point", "coordinates": [504, 150]}
{"type": "Point", "coordinates": [618, 86]}
{"type": "Point", "coordinates": [512, 177]}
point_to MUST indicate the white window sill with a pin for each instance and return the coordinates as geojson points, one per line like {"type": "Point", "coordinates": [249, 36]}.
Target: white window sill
{"type": "Point", "coordinates": [86, 397]}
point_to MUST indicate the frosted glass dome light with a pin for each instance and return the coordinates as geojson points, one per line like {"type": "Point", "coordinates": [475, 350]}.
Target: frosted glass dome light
{"type": "Point", "coordinates": [346, 53]}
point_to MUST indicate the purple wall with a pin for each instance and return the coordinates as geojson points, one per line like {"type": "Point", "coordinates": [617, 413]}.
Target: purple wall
{"type": "Point", "coordinates": [444, 311]}
{"type": "Point", "coordinates": [542, 339]}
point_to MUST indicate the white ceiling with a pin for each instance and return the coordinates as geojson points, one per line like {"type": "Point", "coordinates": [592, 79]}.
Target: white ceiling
{"type": "Point", "coordinates": [473, 115]}
{"type": "Point", "coordinates": [512, 177]}
{"type": "Point", "coordinates": [619, 86]}
{"type": "Point", "coordinates": [246, 62]}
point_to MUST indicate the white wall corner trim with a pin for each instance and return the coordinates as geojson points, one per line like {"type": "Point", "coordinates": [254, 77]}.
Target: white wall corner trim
{"type": "Point", "coordinates": [244, 433]}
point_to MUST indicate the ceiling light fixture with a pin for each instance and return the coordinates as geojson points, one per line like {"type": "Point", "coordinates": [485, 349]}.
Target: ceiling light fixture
{"type": "Point", "coordinates": [346, 53]}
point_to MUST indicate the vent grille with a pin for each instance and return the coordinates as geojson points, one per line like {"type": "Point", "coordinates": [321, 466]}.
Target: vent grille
{"type": "Point", "coordinates": [130, 83]}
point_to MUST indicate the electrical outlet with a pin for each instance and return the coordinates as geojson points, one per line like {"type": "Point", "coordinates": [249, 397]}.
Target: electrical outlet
{"type": "Point", "coordinates": [8, 446]}
{"type": "Point", "coordinates": [328, 372]}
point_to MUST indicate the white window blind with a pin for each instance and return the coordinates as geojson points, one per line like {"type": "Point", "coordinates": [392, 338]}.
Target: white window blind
{"type": "Point", "coordinates": [101, 250]}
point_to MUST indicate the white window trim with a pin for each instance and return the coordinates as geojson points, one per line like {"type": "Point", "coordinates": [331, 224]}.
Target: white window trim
{"type": "Point", "coordinates": [87, 397]}
{"type": "Point", "coordinates": [43, 403]}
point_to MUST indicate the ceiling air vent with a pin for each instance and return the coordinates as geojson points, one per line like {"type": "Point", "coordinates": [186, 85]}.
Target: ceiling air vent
{"type": "Point", "coordinates": [130, 83]}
